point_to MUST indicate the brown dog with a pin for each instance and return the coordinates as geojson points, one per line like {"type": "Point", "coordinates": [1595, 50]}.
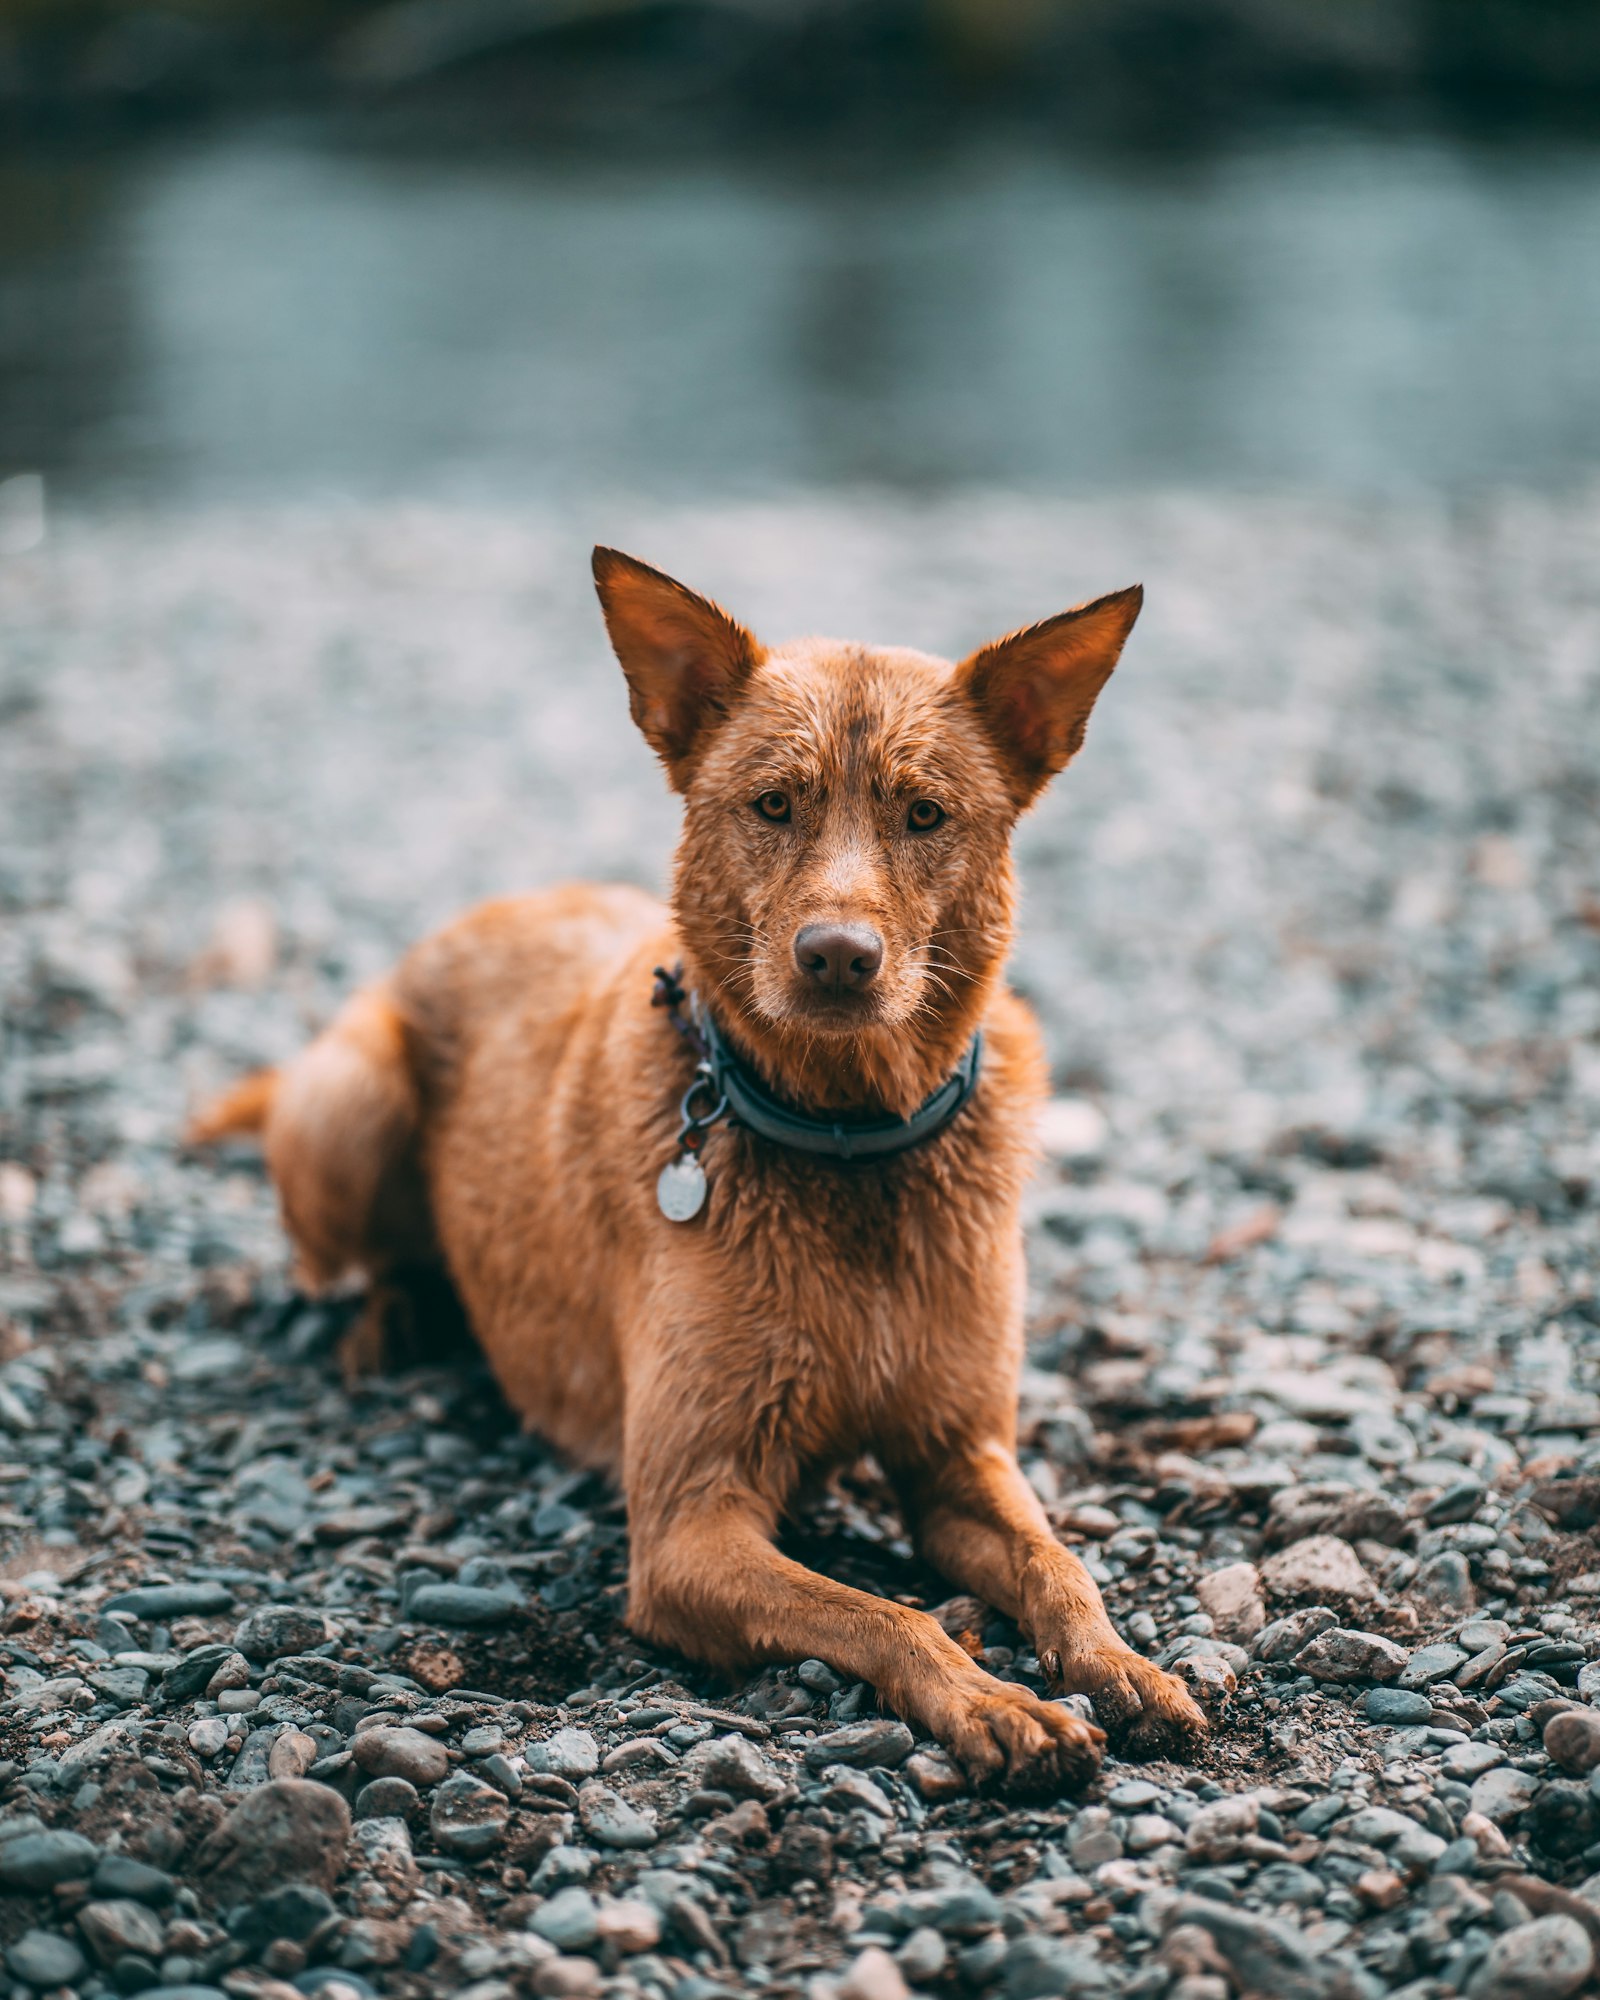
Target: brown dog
{"type": "Point", "coordinates": [841, 912]}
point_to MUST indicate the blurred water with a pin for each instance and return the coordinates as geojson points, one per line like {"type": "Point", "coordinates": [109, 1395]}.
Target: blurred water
{"type": "Point", "coordinates": [259, 315]}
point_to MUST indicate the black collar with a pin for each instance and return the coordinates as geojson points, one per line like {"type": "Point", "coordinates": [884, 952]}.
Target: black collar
{"type": "Point", "coordinates": [737, 1093]}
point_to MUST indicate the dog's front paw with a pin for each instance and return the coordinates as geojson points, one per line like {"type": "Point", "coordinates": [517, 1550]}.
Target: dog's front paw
{"type": "Point", "coordinates": [1148, 1713]}
{"type": "Point", "coordinates": [1005, 1737]}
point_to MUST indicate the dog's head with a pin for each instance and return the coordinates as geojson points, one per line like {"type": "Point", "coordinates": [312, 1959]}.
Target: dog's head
{"type": "Point", "coordinates": [843, 886]}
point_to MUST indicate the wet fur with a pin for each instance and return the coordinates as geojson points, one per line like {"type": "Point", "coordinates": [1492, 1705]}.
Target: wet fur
{"type": "Point", "coordinates": [503, 1103]}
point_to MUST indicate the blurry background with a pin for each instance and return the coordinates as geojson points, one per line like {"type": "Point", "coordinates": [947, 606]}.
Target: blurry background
{"type": "Point", "coordinates": [548, 248]}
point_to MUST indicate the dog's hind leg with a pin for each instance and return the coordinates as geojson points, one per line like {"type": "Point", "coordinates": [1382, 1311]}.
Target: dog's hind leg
{"type": "Point", "coordinates": [340, 1126]}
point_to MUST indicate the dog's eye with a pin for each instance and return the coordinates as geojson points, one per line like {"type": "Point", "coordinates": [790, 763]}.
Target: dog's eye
{"type": "Point", "coordinates": [924, 816]}
{"type": "Point", "coordinates": [773, 806]}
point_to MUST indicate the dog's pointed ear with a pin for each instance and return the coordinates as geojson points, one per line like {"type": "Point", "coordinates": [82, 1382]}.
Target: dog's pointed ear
{"type": "Point", "coordinates": [1033, 691]}
{"type": "Point", "coordinates": [685, 659]}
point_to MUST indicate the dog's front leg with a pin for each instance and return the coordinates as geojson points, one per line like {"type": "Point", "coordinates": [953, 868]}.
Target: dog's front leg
{"type": "Point", "coordinates": [979, 1521]}
{"type": "Point", "coordinates": [707, 1580]}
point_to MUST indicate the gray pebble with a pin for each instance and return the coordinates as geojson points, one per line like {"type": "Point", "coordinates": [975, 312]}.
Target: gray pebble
{"type": "Point", "coordinates": [114, 1929]}
{"type": "Point", "coordinates": [1544, 1960]}
{"type": "Point", "coordinates": [459, 1604]}
{"type": "Point", "coordinates": [37, 1861]}
{"type": "Point", "coordinates": [568, 1753]}
{"type": "Point", "coordinates": [387, 1798]}
{"type": "Point", "coordinates": [276, 1629]}
{"type": "Point", "coordinates": [1340, 1655]}
{"type": "Point", "coordinates": [1397, 1704]}
{"type": "Point", "coordinates": [608, 1818]}
{"type": "Point", "coordinates": [169, 1600]}
{"type": "Point", "coordinates": [569, 1920]}
{"type": "Point", "coordinates": [880, 1743]}
{"type": "Point", "coordinates": [468, 1817]}
{"type": "Point", "coordinates": [41, 1959]}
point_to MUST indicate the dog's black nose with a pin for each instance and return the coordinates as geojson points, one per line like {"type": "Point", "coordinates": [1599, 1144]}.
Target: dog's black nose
{"type": "Point", "coordinates": [839, 957]}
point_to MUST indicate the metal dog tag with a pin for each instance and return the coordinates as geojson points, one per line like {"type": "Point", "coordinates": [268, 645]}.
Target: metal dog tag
{"type": "Point", "coordinates": [681, 1189]}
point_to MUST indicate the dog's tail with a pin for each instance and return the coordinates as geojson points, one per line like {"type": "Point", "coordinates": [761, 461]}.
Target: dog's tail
{"type": "Point", "coordinates": [244, 1109]}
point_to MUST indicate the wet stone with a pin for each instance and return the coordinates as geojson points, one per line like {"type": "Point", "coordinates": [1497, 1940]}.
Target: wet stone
{"type": "Point", "coordinates": [43, 1960]}
{"type": "Point", "coordinates": [459, 1604]}
{"type": "Point", "coordinates": [1543, 1960]}
{"type": "Point", "coordinates": [1572, 1740]}
{"type": "Point", "coordinates": [567, 1753]}
{"type": "Point", "coordinates": [36, 1861]}
{"type": "Point", "coordinates": [387, 1798]}
{"type": "Point", "coordinates": [609, 1819]}
{"type": "Point", "coordinates": [169, 1600]}
{"type": "Point", "coordinates": [1341, 1655]}
{"type": "Point", "coordinates": [385, 1752]}
{"type": "Point", "coordinates": [468, 1817]}
{"type": "Point", "coordinates": [569, 1920]}
{"type": "Point", "coordinates": [113, 1930]}
{"type": "Point", "coordinates": [1397, 1705]}
{"type": "Point", "coordinates": [276, 1629]}
{"type": "Point", "coordinates": [121, 1876]}
{"type": "Point", "coordinates": [879, 1743]}
{"type": "Point", "coordinates": [1432, 1663]}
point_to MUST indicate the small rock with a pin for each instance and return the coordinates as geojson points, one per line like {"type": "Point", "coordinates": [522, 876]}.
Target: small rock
{"type": "Point", "coordinates": [568, 1753]}
{"type": "Point", "coordinates": [193, 1672]}
{"type": "Point", "coordinates": [289, 1829]}
{"type": "Point", "coordinates": [873, 1975]}
{"type": "Point", "coordinates": [119, 1876]}
{"type": "Point", "coordinates": [608, 1818]}
{"type": "Point", "coordinates": [1231, 1597]}
{"type": "Point", "coordinates": [1282, 1639]}
{"type": "Point", "coordinates": [1265, 1958]}
{"type": "Point", "coordinates": [1380, 1889]}
{"type": "Point", "coordinates": [1397, 1705]}
{"type": "Point", "coordinates": [1432, 1663]}
{"type": "Point", "coordinates": [459, 1604]}
{"type": "Point", "coordinates": [35, 1861]}
{"type": "Point", "coordinates": [924, 1956]}
{"type": "Point", "coordinates": [116, 1929]}
{"type": "Point", "coordinates": [1322, 1569]}
{"type": "Point", "coordinates": [232, 1671]}
{"type": "Point", "coordinates": [565, 1978]}
{"type": "Point", "coordinates": [1217, 1830]}
{"type": "Point", "coordinates": [570, 1920]}
{"type": "Point", "coordinates": [207, 1735]}
{"type": "Point", "coordinates": [468, 1817]}
{"type": "Point", "coordinates": [1341, 1655]}
{"type": "Point", "coordinates": [1466, 1761]}
{"type": "Point", "coordinates": [397, 1752]}
{"type": "Point", "coordinates": [292, 1755]}
{"type": "Point", "coordinates": [1572, 1740]}
{"type": "Point", "coordinates": [936, 1776]}
{"type": "Point", "coordinates": [1543, 1960]}
{"type": "Point", "coordinates": [1503, 1795]}
{"type": "Point", "coordinates": [878, 1744]}
{"type": "Point", "coordinates": [387, 1798]}
{"type": "Point", "coordinates": [734, 1764]}
{"type": "Point", "coordinates": [1444, 1582]}
{"type": "Point", "coordinates": [166, 1601]}
{"type": "Point", "coordinates": [42, 1960]}
{"type": "Point", "coordinates": [276, 1629]}
{"type": "Point", "coordinates": [631, 1925]}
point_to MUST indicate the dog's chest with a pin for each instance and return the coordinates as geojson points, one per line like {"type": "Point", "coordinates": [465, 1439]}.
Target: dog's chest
{"type": "Point", "coordinates": [867, 1297]}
